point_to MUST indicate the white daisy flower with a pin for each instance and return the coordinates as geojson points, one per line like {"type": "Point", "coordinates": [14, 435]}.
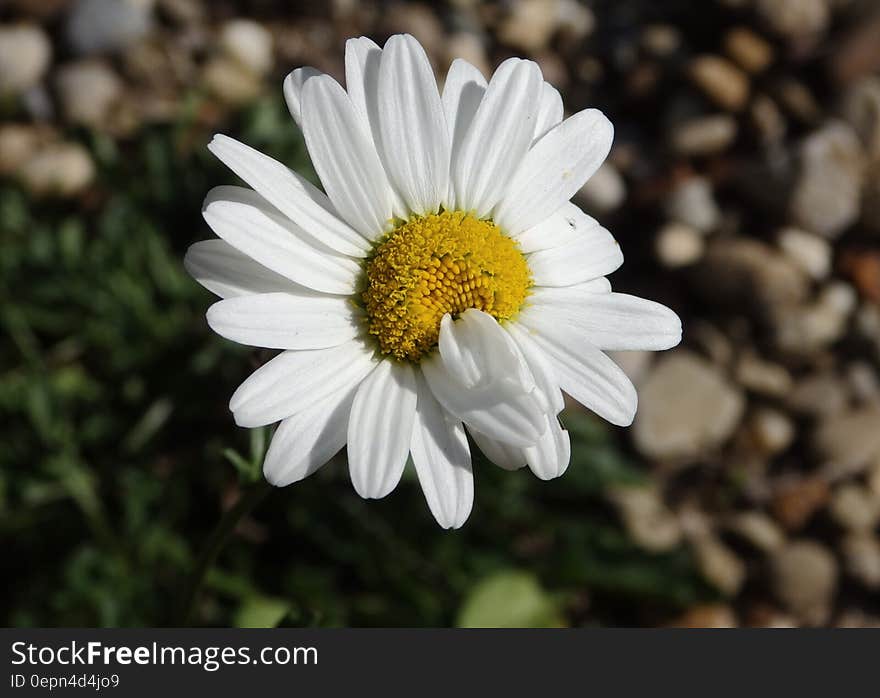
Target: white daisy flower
{"type": "Point", "coordinates": [444, 284]}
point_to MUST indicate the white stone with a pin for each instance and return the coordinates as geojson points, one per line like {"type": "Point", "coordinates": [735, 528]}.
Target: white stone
{"type": "Point", "coordinates": [25, 53]}
{"type": "Point", "coordinates": [249, 43]}
{"type": "Point", "coordinates": [679, 245]}
{"type": "Point", "coordinates": [61, 169]}
{"type": "Point", "coordinates": [88, 91]}
{"type": "Point", "coordinates": [693, 203]}
{"type": "Point", "coordinates": [604, 191]}
{"type": "Point", "coordinates": [94, 26]}
{"type": "Point", "coordinates": [686, 408]}
{"type": "Point", "coordinates": [810, 252]}
{"type": "Point", "coordinates": [827, 194]}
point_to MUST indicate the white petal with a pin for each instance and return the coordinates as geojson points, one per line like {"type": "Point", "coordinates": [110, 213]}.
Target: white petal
{"type": "Point", "coordinates": [501, 454]}
{"type": "Point", "coordinates": [345, 158]}
{"type": "Point", "coordinates": [552, 295]}
{"type": "Point", "coordinates": [362, 59]}
{"type": "Point", "coordinates": [554, 169]}
{"type": "Point", "coordinates": [226, 272]}
{"type": "Point", "coordinates": [380, 429]}
{"type": "Point", "coordinates": [481, 352]}
{"type": "Point", "coordinates": [296, 198]}
{"type": "Point", "coordinates": [304, 442]}
{"type": "Point", "coordinates": [568, 224]}
{"type": "Point", "coordinates": [587, 374]}
{"type": "Point", "coordinates": [479, 377]}
{"type": "Point", "coordinates": [243, 218]}
{"type": "Point", "coordinates": [550, 110]}
{"type": "Point", "coordinates": [546, 381]}
{"type": "Point", "coordinates": [589, 256]}
{"type": "Point", "coordinates": [296, 380]}
{"type": "Point", "coordinates": [498, 138]}
{"type": "Point", "coordinates": [610, 321]}
{"type": "Point", "coordinates": [442, 460]}
{"type": "Point", "coordinates": [413, 126]}
{"type": "Point", "coordinates": [293, 85]}
{"type": "Point", "coordinates": [299, 320]}
{"type": "Point", "coordinates": [462, 94]}
{"type": "Point", "coordinates": [549, 457]}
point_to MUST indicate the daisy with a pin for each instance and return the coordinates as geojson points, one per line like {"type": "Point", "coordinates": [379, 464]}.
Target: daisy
{"type": "Point", "coordinates": [442, 284]}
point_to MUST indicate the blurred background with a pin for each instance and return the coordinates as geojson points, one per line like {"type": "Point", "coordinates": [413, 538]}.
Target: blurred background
{"type": "Point", "coordinates": [744, 188]}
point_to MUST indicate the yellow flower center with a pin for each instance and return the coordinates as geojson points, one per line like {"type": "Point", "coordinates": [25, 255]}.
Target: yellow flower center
{"type": "Point", "coordinates": [437, 264]}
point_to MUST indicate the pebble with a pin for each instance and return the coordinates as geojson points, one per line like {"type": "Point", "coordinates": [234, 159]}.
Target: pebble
{"type": "Point", "coordinates": [798, 100]}
{"type": "Point", "coordinates": [812, 327]}
{"type": "Point", "coordinates": [576, 20]}
{"type": "Point", "coordinates": [25, 54]}
{"type": "Point", "coordinates": [605, 191]}
{"type": "Point", "coordinates": [857, 53]}
{"type": "Point", "coordinates": [856, 618]}
{"type": "Point", "coordinates": [230, 81]}
{"type": "Point", "coordinates": [804, 578]}
{"type": "Point", "coordinates": [747, 271]}
{"type": "Point", "coordinates": [635, 364]}
{"type": "Point", "coordinates": [818, 394]}
{"type": "Point", "coordinates": [758, 529]}
{"type": "Point", "coordinates": [762, 377]}
{"type": "Point", "coordinates": [748, 49]}
{"type": "Point", "coordinates": [530, 24]}
{"type": "Point", "coordinates": [795, 502]}
{"type": "Point", "coordinates": [719, 565]}
{"type": "Point", "coordinates": [60, 169]}
{"type": "Point", "coordinates": [864, 381]}
{"type": "Point", "coordinates": [850, 439]}
{"type": "Point", "coordinates": [705, 135]}
{"type": "Point", "coordinates": [418, 19]}
{"type": "Point", "coordinates": [827, 194]}
{"type": "Point", "coordinates": [861, 109]}
{"type": "Point", "coordinates": [714, 615]}
{"type": "Point", "coordinates": [808, 251]}
{"type": "Point", "coordinates": [687, 408]}
{"type": "Point", "coordinates": [661, 40]}
{"type": "Point", "coordinates": [646, 519]}
{"type": "Point", "coordinates": [795, 19]}
{"type": "Point", "coordinates": [721, 81]}
{"type": "Point", "coordinates": [95, 26]}
{"type": "Point", "coordinates": [88, 91]}
{"type": "Point", "coordinates": [679, 245]}
{"type": "Point", "coordinates": [861, 555]}
{"type": "Point", "coordinates": [693, 203]}
{"type": "Point", "coordinates": [249, 43]}
{"type": "Point", "coordinates": [768, 120]}
{"type": "Point", "coordinates": [17, 143]}
{"type": "Point", "coordinates": [767, 616]}
{"type": "Point", "coordinates": [772, 431]}
{"type": "Point", "coordinates": [861, 265]}
{"type": "Point", "coordinates": [855, 508]}
{"type": "Point", "coordinates": [470, 47]}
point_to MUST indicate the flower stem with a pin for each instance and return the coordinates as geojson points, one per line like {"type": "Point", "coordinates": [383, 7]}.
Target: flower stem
{"type": "Point", "coordinates": [219, 536]}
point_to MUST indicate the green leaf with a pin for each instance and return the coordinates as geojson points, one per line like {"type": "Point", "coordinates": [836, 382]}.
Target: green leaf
{"type": "Point", "coordinates": [510, 599]}
{"type": "Point", "coordinates": [261, 612]}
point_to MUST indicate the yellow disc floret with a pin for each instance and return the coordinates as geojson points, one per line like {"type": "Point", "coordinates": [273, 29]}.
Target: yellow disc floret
{"type": "Point", "coordinates": [437, 264]}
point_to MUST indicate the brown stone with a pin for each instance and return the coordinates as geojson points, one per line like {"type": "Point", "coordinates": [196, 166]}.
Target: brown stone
{"type": "Point", "coordinates": [721, 81]}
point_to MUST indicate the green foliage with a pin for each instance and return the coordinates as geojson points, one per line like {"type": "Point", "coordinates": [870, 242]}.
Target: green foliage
{"type": "Point", "coordinates": [510, 599]}
{"type": "Point", "coordinates": [119, 455]}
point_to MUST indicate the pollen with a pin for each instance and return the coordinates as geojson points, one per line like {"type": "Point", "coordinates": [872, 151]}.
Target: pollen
{"type": "Point", "coordinates": [432, 265]}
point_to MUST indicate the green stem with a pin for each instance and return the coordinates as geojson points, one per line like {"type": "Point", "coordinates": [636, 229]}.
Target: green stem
{"type": "Point", "coordinates": [220, 535]}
